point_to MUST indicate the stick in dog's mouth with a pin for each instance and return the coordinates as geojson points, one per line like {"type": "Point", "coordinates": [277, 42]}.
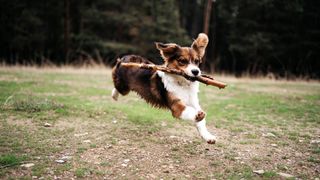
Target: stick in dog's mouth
{"type": "Point", "coordinates": [206, 79]}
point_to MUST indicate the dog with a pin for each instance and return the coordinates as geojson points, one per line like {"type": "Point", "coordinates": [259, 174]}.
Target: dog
{"type": "Point", "coordinates": [166, 90]}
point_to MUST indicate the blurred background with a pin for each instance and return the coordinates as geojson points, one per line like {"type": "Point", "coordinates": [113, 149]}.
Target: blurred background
{"type": "Point", "coordinates": [276, 38]}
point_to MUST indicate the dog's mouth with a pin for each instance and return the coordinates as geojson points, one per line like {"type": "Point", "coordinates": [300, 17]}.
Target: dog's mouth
{"type": "Point", "coordinates": [192, 78]}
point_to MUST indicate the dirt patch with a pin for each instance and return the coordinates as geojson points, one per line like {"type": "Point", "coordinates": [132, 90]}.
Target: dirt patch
{"type": "Point", "coordinates": [25, 123]}
{"type": "Point", "coordinates": [105, 149]}
{"type": "Point", "coordinates": [179, 152]}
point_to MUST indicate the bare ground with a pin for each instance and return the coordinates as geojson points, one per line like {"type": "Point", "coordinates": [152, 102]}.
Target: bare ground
{"type": "Point", "coordinates": [120, 150]}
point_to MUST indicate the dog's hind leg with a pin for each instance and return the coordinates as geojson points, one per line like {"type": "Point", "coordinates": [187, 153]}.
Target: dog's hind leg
{"type": "Point", "coordinates": [115, 94]}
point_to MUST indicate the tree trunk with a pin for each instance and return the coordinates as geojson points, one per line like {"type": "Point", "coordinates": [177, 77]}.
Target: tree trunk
{"type": "Point", "coordinates": [207, 14]}
{"type": "Point", "coordinates": [66, 29]}
{"type": "Point", "coordinates": [206, 26]}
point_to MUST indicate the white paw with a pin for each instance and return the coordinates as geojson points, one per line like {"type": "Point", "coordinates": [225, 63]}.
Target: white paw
{"type": "Point", "coordinates": [204, 133]}
{"type": "Point", "coordinates": [115, 94]}
{"type": "Point", "coordinates": [211, 139]}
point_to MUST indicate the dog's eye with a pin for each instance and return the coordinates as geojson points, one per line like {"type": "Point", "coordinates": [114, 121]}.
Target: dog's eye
{"type": "Point", "coordinates": [183, 62]}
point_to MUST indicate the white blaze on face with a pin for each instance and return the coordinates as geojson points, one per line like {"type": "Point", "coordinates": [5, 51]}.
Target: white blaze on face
{"type": "Point", "coordinates": [192, 67]}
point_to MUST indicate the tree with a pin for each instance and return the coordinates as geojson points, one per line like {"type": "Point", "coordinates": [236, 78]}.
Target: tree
{"type": "Point", "coordinates": [66, 28]}
{"type": "Point", "coordinates": [246, 36]}
{"type": "Point", "coordinates": [207, 14]}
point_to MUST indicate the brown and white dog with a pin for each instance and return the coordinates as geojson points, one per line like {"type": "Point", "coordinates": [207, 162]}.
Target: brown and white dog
{"type": "Point", "coordinates": [165, 90]}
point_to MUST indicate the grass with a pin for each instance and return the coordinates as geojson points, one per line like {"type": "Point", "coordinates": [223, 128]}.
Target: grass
{"type": "Point", "coordinates": [7, 160]}
{"type": "Point", "coordinates": [81, 172]}
{"type": "Point", "coordinates": [269, 174]}
{"type": "Point", "coordinates": [316, 150]}
{"type": "Point", "coordinates": [32, 105]}
{"type": "Point", "coordinates": [244, 172]}
{"type": "Point", "coordinates": [313, 160]}
{"type": "Point", "coordinates": [77, 104]}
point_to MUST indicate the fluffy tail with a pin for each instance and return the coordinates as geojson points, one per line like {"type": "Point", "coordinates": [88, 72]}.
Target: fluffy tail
{"type": "Point", "coordinates": [118, 63]}
{"type": "Point", "coordinates": [115, 92]}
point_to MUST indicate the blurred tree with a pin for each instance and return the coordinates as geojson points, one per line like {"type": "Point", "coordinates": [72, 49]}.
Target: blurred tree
{"type": "Point", "coordinates": [246, 36]}
{"type": "Point", "coordinates": [269, 36]}
{"type": "Point", "coordinates": [207, 15]}
{"type": "Point", "coordinates": [66, 29]}
{"type": "Point", "coordinates": [113, 28]}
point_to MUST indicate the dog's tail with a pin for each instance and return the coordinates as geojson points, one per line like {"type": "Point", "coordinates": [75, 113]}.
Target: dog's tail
{"type": "Point", "coordinates": [115, 92]}
{"type": "Point", "coordinates": [118, 62]}
{"type": "Point", "coordinates": [116, 66]}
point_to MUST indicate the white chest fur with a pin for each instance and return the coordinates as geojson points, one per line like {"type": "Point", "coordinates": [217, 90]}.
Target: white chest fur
{"type": "Point", "coordinates": [183, 89]}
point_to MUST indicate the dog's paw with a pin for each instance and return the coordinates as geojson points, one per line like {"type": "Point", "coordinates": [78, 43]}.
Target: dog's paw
{"type": "Point", "coordinates": [204, 133]}
{"type": "Point", "coordinates": [211, 139]}
{"type": "Point", "coordinates": [201, 115]}
{"type": "Point", "coordinates": [115, 94]}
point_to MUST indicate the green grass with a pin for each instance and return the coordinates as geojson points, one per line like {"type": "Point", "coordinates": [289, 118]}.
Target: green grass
{"type": "Point", "coordinates": [270, 174]}
{"type": "Point", "coordinates": [313, 160]}
{"type": "Point", "coordinates": [78, 101]}
{"type": "Point", "coordinates": [269, 108]}
{"type": "Point", "coordinates": [39, 170]}
{"type": "Point", "coordinates": [244, 172]}
{"type": "Point", "coordinates": [81, 172]}
{"type": "Point", "coordinates": [31, 105]}
{"type": "Point", "coordinates": [10, 160]}
{"type": "Point", "coordinates": [316, 150]}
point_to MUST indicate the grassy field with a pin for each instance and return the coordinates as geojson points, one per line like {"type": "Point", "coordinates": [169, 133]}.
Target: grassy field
{"type": "Point", "coordinates": [64, 124]}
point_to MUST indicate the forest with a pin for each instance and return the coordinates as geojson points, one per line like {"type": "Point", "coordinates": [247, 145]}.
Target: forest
{"type": "Point", "coordinates": [247, 37]}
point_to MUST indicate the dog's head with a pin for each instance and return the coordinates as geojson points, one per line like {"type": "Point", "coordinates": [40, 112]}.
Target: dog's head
{"type": "Point", "coordinates": [185, 58]}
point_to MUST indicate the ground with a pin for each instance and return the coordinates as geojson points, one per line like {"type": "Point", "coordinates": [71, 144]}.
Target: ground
{"type": "Point", "coordinates": [64, 124]}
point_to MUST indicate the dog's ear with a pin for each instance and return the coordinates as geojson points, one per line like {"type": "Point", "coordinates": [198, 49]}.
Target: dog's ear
{"type": "Point", "coordinates": [167, 51]}
{"type": "Point", "coordinates": [200, 44]}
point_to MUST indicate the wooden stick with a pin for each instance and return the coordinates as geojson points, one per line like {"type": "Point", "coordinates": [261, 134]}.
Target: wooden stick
{"type": "Point", "coordinates": [208, 80]}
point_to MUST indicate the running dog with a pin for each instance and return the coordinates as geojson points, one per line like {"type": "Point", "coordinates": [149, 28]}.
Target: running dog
{"type": "Point", "coordinates": [166, 90]}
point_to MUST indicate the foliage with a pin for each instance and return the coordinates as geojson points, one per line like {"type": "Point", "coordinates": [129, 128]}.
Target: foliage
{"type": "Point", "coordinates": [246, 36]}
{"type": "Point", "coordinates": [270, 36]}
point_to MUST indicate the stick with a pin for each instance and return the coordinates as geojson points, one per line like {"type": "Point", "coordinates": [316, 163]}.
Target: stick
{"type": "Point", "coordinates": [208, 80]}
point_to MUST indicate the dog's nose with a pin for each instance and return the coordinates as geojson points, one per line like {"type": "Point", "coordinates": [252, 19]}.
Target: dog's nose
{"type": "Point", "coordinates": [195, 72]}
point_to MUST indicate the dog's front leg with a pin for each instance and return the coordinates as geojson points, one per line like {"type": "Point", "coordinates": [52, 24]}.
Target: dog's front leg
{"type": "Point", "coordinates": [198, 116]}
{"type": "Point", "coordinates": [201, 123]}
{"type": "Point", "coordinates": [204, 133]}
{"type": "Point", "coordinates": [195, 114]}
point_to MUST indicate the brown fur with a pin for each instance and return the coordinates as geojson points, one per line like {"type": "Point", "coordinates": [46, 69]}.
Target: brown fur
{"type": "Point", "coordinates": [176, 106]}
{"type": "Point", "coordinates": [144, 82]}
